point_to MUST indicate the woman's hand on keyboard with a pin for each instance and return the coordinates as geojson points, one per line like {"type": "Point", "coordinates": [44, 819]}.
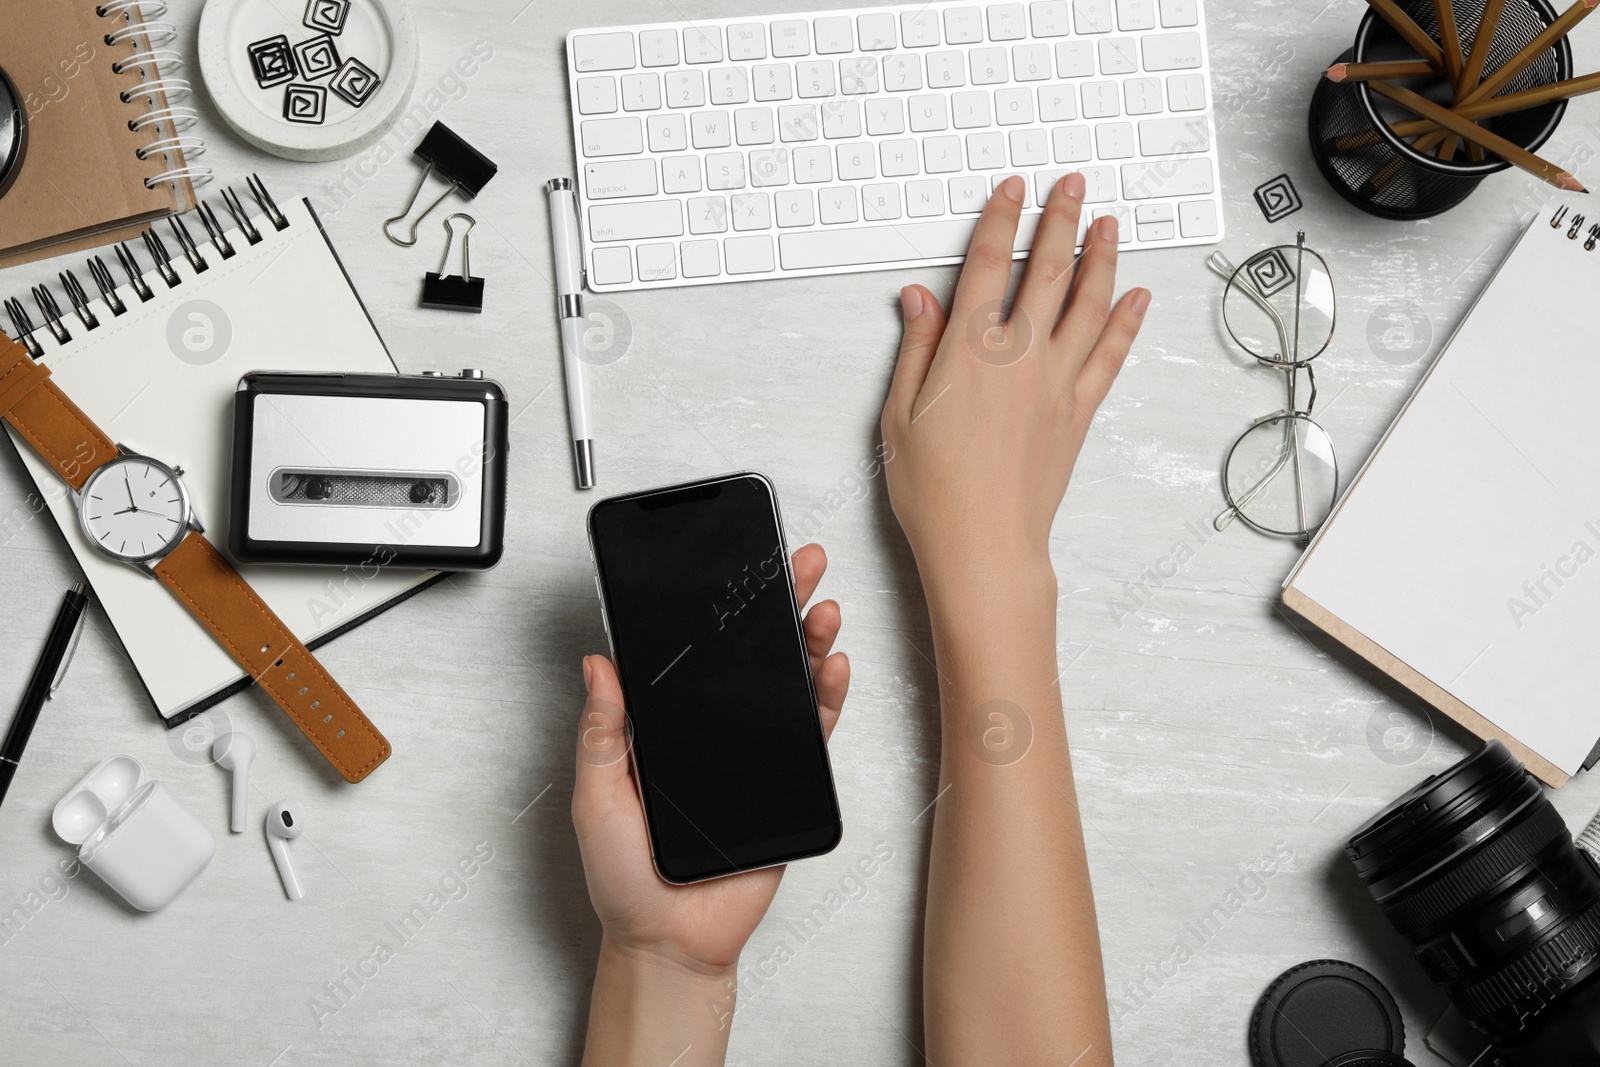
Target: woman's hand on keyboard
{"type": "Point", "coordinates": [986, 414]}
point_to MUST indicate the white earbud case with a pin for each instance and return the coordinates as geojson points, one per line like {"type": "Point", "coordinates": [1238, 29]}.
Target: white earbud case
{"type": "Point", "coordinates": [133, 833]}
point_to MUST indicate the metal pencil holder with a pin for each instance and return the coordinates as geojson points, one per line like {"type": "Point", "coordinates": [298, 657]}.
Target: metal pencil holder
{"type": "Point", "coordinates": [1380, 173]}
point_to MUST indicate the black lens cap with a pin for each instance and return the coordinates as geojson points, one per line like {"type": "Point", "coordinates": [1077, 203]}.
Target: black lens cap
{"type": "Point", "coordinates": [1320, 1012]}
{"type": "Point", "coordinates": [13, 132]}
{"type": "Point", "coordinates": [1369, 1058]}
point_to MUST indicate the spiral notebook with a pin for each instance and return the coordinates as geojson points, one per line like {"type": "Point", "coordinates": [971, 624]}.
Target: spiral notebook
{"type": "Point", "coordinates": [106, 130]}
{"type": "Point", "coordinates": [262, 291]}
{"type": "Point", "coordinates": [1464, 560]}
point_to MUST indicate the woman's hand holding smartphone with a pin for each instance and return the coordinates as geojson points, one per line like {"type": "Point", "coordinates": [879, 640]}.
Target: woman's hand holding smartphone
{"type": "Point", "coordinates": [669, 952]}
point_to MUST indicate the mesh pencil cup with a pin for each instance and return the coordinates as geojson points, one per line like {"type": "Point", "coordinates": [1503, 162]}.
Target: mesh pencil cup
{"type": "Point", "coordinates": [1381, 173]}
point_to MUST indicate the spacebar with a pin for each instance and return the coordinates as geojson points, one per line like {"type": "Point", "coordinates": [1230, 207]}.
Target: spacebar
{"type": "Point", "coordinates": [908, 242]}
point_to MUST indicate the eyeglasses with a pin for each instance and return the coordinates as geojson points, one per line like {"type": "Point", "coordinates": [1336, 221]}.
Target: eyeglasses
{"type": "Point", "coordinates": [1281, 476]}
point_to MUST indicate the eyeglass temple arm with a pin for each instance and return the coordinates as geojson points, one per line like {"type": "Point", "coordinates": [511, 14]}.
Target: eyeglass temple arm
{"type": "Point", "coordinates": [1221, 265]}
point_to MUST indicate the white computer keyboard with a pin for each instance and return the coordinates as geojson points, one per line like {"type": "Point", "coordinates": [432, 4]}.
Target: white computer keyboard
{"type": "Point", "coordinates": [796, 145]}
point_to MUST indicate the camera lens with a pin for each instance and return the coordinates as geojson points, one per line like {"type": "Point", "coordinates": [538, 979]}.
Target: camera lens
{"type": "Point", "coordinates": [1477, 870]}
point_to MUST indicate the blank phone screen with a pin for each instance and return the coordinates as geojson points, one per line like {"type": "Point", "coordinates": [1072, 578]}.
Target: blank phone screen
{"type": "Point", "coordinates": [726, 740]}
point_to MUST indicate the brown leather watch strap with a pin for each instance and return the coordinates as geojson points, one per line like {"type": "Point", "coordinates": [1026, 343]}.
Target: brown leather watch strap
{"type": "Point", "coordinates": [52, 424]}
{"type": "Point", "coordinates": [260, 642]}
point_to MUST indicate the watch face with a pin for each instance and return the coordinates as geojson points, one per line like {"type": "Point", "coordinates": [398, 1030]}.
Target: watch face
{"type": "Point", "coordinates": [134, 508]}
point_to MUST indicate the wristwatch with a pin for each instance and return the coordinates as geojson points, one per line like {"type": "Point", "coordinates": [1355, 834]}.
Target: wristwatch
{"type": "Point", "coordinates": [135, 510]}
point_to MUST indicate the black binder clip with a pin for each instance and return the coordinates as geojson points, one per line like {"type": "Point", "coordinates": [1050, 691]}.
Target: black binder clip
{"type": "Point", "coordinates": [464, 167]}
{"type": "Point", "coordinates": [460, 292]}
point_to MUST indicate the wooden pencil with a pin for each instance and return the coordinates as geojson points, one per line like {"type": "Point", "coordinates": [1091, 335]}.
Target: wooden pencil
{"type": "Point", "coordinates": [1530, 52]}
{"type": "Point", "coordinates": [1365, 72]}
{"type": "Point", "coordinates": [1449, 43]}
{"type": "Point", "coordinates": [1468, 130]}
{"type": "Point", "coordinates": [1481, 40]}
{"type": "Point", "coordinates": [1413, 34]}
{"type": "Point", "coordinates": [1500, 105]}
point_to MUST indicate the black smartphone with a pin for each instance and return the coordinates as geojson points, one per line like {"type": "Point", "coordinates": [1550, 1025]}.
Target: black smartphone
{"type": "Point", "coordinates": [727, 744]}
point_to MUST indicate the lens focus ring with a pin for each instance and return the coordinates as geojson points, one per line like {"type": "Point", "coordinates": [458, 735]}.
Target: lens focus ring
{"type": "Point", "coordinates": [1517, 992]}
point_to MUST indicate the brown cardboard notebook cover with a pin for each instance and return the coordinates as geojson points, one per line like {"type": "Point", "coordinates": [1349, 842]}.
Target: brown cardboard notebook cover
{"type": "Point", "coordinates": [81, 183]}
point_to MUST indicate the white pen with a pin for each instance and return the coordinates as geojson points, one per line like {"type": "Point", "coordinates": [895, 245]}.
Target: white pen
{"type": "Point", "coordinates": [569, 306]}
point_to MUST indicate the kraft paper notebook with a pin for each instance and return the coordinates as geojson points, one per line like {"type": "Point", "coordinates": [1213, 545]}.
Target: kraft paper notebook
{"type": "Point", "coordinates": [1464, 560]}
{"type": "Point", "coordinates": [86, 178]}
{"type": "Point", "coordinates": [160, 380]}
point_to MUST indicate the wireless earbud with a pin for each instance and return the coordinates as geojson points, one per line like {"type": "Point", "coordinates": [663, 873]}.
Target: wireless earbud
{"type": "Point", "coordinates": [235, 752]}
{"type": "Point", "coordinates": [283, 826]}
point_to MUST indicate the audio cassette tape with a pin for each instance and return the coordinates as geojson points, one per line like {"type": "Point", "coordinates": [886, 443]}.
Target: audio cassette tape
{"type": "Point", "coordinates": [369, 470]}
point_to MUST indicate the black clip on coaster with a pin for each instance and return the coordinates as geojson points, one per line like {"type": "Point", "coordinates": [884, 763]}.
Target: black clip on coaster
{"type": "Point", "coordinates": [466, 169]}
{"type": "Point", "coordinates": [460, 292]}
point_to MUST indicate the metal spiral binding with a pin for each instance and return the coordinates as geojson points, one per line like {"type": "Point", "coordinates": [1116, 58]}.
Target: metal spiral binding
{"type": "Point", "coordinates": [160, 92]}
{"type": "Point", "coordinates": [1576, 228]}
{"type": "Point", "coordinates": [52, 313]}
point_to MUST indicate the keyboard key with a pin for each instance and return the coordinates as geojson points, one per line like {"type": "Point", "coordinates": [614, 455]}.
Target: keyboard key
{"type": "Point", "coordinates": [834, 34]}
{"type": "Point", "coordinates": [686, 88]}
{"type": "Point", "coordinates": [968, 194]}
{"type": "Point", "coordinates": [754, 125]}
{"type": "Point", "coordinates": [924, 198]}
{"type": "Point", "coordinates": [858, 75]}
{"type": "Point", "coordinates": [612, 137]}
{"type": "Point", "coordinates": [837, 204]}
{"type": "Point", "coordinates": [988, 66]}
{"type": "Point", "coordinates": [1013, 107]}
{"type": "Point", "coordinates": [710, 129]}
{"type": "Point", "coordinates": [1044, 183]}
{"type": "Point", "coordinates": [1152, 213]}
{"type": "Point", "coordinates": [970, 109]}
{"type": "Point", "coordinates": [930, 113]}
{"type": "Point", "coordinates": [1091, 16]}
{"type": "Point", "coordinates": [898, 157]}
{"type": "Point", "coordinates": [947, 70]}
{"type": "Point", "coordinates": [597, 96]}
{"type": "Point", "coordinates": [1007, 22]}
{"type": "Point", "coordinates": [856, 161]}
{"type": "Point", "coordinates": [886, 116]}
{"type": "Point", "coordinates": [702, 44]}
{"type": "Point", "coordinates": [941, 155]}
{"type": "Point", "coordinates": [1049, 18]}
{"type": "Point", "coordinates": [749, 255]}
{"type": "Point", "coordinates": [814, 78]}
{"type": "Point", "coordinates": [630, 177]}
{"type": "Point", "coordinates": [730, 85]}
{"type": "Point", "coordinates": [794, 208]}
{"type": "Point", "coordinates": [1155, 231]}
{"type": "Point", "coordinates": [1136, 15]}
{"type": "Point", "coordinates": [612, 265]}
{"type": "Point", "coordinates": [1124, 225]}
{"type": "Point", "coordinates": [657, 262]}
{"type": "Point", "coordinates": [1113, 140]}
{"type": "Point", "coordinates": [725, 170]}
{"type": "Point", "coordinates": [1029, 148]}
{"type": "Point", "coordinates": [881, 202]}
{"type": "Point", "coordinates": [641, 92]}
{"type": "Point", "coordinates": [1074, 59]}
{"type": "Point", "coordinates": [841, 118]}
{"type": "Point", "coordinates": [812, 164]}
{"type": "Point", "coordinates": [667, 133]}
{"type": "Point", "coordinates": [1172, 51]}
{"type": "Point", "coordinates": [708, 214]}
{"type": "Point", "coordinates": [876, 31]}
{"type": "Point", "coordinates": [902, 73]}
{"type": "Point", "coordinates": [986, 151]}
{"type": "Point", "coordinates": [772, 81]}
{"type": "Point", "coordinates": [1186, 92]}
{"type": "Point", "coordinates": [752, 211]}
{"type": "Point", "coordinates": [1101, 100]}
{"type": "Point", "coordinates": [602, 51]}
{"type": "Point", "coordinates": [790, 38]}
{"type": "Point", "coordinates": [963, 25]}
{"type": "Point", "coordinates": [1175, 13]}
{"type": "Point", "coordinates": [658, 48]}
{"type": "Point", "coordinates": [919, 29]}
{"type": "Point", "coordinates": [1174, 136]}
{"type": "Point", "coordinates": [1198, 218]}
{"type": "Point", "coordinates": [1141, 96]}
{"type": "Point", "coordinates": [908, 241]}
{"type": "Point", "coordinates": [1057, 103]}
{"type": "Point", "coordinates": [994, 187]}
{"type": "Point", "coordinates": [769, 167]}
{"type": "Point", "coordinates": [1170, 177]}
{"type": "Point", "coordinates": [699, 259]}
{"type": "Point", "coordinates": [637, 221]}
{"type": "Point", "coordinates": [1100, 184]}
{"type": "Point", "coordinates": [1071, 144]}
{"type": "Point", "coordinates": [747, 40]}
{"type": "Point", "coordinates": [680, 174]}
{"type": "Point", "coordinates": [799, 122]}
{"type": "Point", "coordinates": [1030, 62]}
{"type": "Point", "coordinates": [1117, 55]}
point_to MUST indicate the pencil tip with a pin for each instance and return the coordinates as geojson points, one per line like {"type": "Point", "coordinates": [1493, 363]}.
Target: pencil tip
{"type": "Point", "coordinates": [1336, 72]}
{"type": "Point", "coordinates": [1566, 181]}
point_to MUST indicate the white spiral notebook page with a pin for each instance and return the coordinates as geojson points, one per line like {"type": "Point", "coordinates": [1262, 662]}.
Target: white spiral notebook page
{"type": "Point", "coordinates": [281, 304]}
{"type": "Point", "coordinates": [1465, 558]}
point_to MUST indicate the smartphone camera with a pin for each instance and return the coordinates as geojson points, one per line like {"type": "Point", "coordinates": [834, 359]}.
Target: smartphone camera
{"type": "Point", "coordinates": [1478, 871]}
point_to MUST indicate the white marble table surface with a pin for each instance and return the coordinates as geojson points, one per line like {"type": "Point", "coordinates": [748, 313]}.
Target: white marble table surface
{"type": "Point", "coordinates": [1209, 729]}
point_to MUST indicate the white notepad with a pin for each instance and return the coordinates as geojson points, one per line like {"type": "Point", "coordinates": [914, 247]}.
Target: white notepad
{"type": "Point", "coordinates": [1465, 558]}
{"type": "Point", "coordinates": [285, 304]}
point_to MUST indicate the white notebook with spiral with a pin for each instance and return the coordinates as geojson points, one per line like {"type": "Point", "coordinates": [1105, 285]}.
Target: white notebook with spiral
{"type": "Point", "coordinates": [160, 377]}
{"type": "Point", "coordinates": [1464, 560]}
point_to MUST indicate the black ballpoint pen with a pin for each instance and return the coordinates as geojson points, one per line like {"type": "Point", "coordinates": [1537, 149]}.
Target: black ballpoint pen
{"type": "Point", "coordinates": [42, 683]}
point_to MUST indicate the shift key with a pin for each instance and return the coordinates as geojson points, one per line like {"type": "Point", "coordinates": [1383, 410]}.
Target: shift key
{"type": "Point", "coordinates": [635, 222]}
{"type": "Point", "coordinates": [625, 177]}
